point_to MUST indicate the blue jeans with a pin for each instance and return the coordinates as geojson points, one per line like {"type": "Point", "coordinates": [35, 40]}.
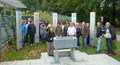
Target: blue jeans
{"type": "Point", "coordinates": [23, 39]}
{"type": "Point", "coordinates": [84, 40]}
{"type": "Point", "coordinates": [99, 44]}
{"type": "Point", "coordinates": [109, 45]}
{"type": "Point", "coordinates": [43, 36]}
{"type": "Point", "coordinates": [78, 43]}
{"type": "Point", "coordinates": [58, 36]}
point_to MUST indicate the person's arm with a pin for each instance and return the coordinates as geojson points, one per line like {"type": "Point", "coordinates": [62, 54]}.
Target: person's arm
{"type": "Point", "coordinates": [61, 31]}
{"type": "Point", "coordinates": [35, 29]}
{"type": "Point", "coordinates": [75, 32]}
{"type": "Point", "coordinates": [103, 31]}
{"type": "Point", "coordinates": [68, 32]}
{"type": "Point", "coordinates": [25, 30]}
{"type": "Point", "coordinates": [55, 31]}
{"type": "Point", "coordinates": [87, 31]}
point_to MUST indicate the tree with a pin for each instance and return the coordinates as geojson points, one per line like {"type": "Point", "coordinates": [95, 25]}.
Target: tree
{"type": "Point", "coordinates": [44, 5]}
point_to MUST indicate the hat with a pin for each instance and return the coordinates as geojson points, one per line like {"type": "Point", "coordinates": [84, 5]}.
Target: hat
{"type": "Point", "coordinates": [40, 19]}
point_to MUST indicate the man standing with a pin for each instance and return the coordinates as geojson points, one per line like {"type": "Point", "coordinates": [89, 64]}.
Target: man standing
{"type": "Point", "coordinates": [28, 22]}
{"type": "Point", "coordinates": [85, 33]}
{"type": "Point", "coordinates": [110, 35]}
{"type": "Point", "coordinates": [23, 32]}
{"type": "Point", "coordinates": [40, 36]}
{"type": "Point", "coordinates": [100, 33]}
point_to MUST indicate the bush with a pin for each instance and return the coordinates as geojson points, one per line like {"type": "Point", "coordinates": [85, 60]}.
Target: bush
{"type": "Point", "coordinates": [42, 15]}
{"type": "Point", "coordinates": [64, 21]}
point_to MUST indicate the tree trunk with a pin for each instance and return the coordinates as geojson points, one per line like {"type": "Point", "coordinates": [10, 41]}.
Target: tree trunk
{"type": "Point", "coordinates": [113, 13]}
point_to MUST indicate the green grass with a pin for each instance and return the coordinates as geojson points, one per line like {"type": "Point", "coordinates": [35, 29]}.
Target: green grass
{"type": "Point", "coordinates": [11, 54]}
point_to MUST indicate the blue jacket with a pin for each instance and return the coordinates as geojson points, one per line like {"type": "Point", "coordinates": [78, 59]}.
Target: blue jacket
{"type": "Point", "coordinates": [65, 30]}
{"type": "Point", "coordinates": [23, 29]}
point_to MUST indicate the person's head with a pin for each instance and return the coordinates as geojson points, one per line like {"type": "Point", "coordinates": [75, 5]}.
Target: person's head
{"type": "Point", "coordinates": [60, 21]}
{"type": "Point", "coordinates": [51, 28]}
{"type": "Point", "coordinates": [83, 23]}
{"type": "Point", "coordinates": [51, 22]}
{"type": "Point", "coordinates": [98, 24]}
{"type": "Point", "coordinates": [31, 22]}
{"type": "Point", "coordinates": [107, 24]}
{"type": "Point", "coordinates": [88, 24]}
{"type": "Point", "coordinates": [46, 21]}
{"type": "Point", "coordinates": [77, 24]}
{"type": "Point", "coordinates": [58, 24]}
{"type": "Point", "coordinates": [25, 21]}
{"type": "Point", "coordinates": [68, 24]}
{"type": "Point", "coordinates": [71, 24]}
{"type": "Point", "coordinates": [29, 19]}
{"type": "Point", "coordinates": [40, 19]}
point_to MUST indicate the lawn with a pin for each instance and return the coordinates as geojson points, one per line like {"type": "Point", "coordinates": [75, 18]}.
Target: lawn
{"type": "Point", "coordinates": [34, 52]}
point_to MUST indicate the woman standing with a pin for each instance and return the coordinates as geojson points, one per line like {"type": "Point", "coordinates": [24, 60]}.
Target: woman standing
{"type": "Point", "coordinates": [66, 29]}
{"type": "Point", "coordinates": [58, 30]}
{"type": "Point", "coordinates": [78, 34]}
{"type": "Point", "coordinates": [50, 36]}
{"type": "Point", "coordinates": [31, 32]}
{"type": "Point", "coordinates": [71, 30]}
{"type": "Point", "coordinates": [88, 38]}
{"type": "Point", "coordinates": [62, 28]}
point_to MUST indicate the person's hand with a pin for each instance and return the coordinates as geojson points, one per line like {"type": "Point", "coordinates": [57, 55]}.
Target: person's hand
{"type": "Point", "coordinates": [25, 34]}
{"type": "Point", "coordinates": [86, 36]}
{"type": "Point", "coordinates": [50, 38]}
{"type": "Point", "coordinates": [100, 37]}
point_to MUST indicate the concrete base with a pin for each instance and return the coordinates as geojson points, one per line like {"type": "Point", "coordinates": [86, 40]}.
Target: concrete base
{"type": "Point", "coordinates": [62, 53]}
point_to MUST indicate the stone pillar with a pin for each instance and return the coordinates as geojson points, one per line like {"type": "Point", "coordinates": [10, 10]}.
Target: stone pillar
{"type": "Point", "coordinates": [0, 37]}
{"type": "Point", "coordinates": [56, 55]}
{"type": "Point", "coordinates": [72, 53]}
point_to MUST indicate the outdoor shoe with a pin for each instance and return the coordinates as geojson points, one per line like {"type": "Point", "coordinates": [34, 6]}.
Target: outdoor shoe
{"type": "Point", "coordinates": [96, 51]}
{"type": "Point", "coordinates": [31, 44]}
{"type": "Point", "coordinates": [106, 53]}
{"type": "Point", "coordinates": [109, 54]}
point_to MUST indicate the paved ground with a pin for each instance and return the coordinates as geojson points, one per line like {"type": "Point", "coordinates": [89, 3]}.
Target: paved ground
{"type": "Point", "coordinates": [81, 59]}
{"type": "Point", "coordinates": [118, 38]}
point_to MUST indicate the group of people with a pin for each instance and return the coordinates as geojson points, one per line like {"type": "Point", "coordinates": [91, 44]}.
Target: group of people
{"type": "Point", "coordinates": [47, 31]}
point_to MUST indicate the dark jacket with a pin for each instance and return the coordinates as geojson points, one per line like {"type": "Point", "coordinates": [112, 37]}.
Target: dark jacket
{"type": "Point", "coordinates": [31, 29]}
{"type": "Point", "coordinates": [78, 32]}
{"type": "Point", "coordinates": [49, 35]}
{"type": "Point", "coordinates": [65, 30]}
{"type": "Point", "coordinates": [100, 31]}
{"type": "Point", "coordinates": [113, 33]}
{"type": "Point", "coordinates": [85, 31]}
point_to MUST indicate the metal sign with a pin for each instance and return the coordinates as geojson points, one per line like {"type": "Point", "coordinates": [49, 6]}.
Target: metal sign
{"type": "Point", "coordinates": [74, 17]}
{"type": "Point", "coordinates": [102, 18]}
{"type": "Point", "coordinates": [36, 22]}
{"type": "Point", "coordinates": [92, 28]}
{"type": "Point", "coordinates": [19, 29]}
{"type": "Point", "coordinates": [55, 19]}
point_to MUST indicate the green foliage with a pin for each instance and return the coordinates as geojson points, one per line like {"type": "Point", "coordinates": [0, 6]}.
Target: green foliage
{"type": "Point", "coordinates": [114, 47]}
{"type": "Point", "coordinates": [64, 21]}
{"type": "Point", "coordinates": [8, 36]}
{"type": "Point", "coordinates": [42, 15]}
{"type": "Point", "coordinates": [44, 5]}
